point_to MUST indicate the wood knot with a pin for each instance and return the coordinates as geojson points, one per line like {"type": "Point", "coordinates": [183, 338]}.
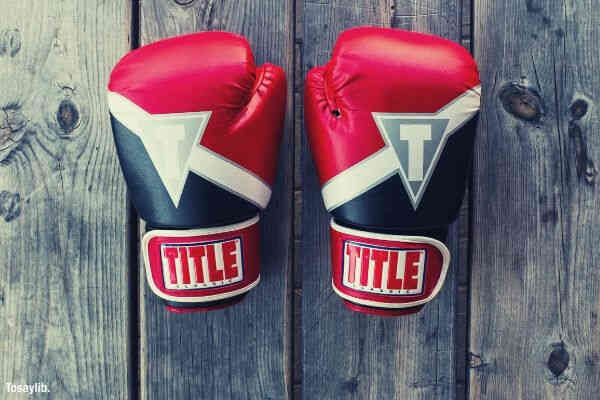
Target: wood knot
{"type": "Point", "coordinates": [533, 6]}
{"type": "Point", "coordinates": [591, 360]}
{"type": "Point", "coordinates": [10, 205]}
{"type": "Point", "coordinates": [585, 165]}
{"type": "Point", "coordinates": [67, 116]}
{"type": "Point", "coordinates": [350, 386]}
{"type": "Point", "coordinates": [590, 173]}
{"type": "Point", "coordinates": [12, 124]}
{"type": "Point", "coordinates": [550, 216]}
{"type": "Point", "coordinates": [521, 101]}
{"type": "Point", "coordinates": [13, 117]}
{"type": "Point", "coordinates": [578, 109]}
{"type": "Point", "coordinates": [10, 42]}
{"type": "Point", "coordinates": [559, 359]}
{"type": "Point", "coordinates": [184, 2]}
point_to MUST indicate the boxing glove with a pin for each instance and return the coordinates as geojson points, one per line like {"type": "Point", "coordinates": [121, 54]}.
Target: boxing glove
{"type": "Point", "coordinates": [197, 128]}
{"type": "Point", "coordinates": [391, 122]}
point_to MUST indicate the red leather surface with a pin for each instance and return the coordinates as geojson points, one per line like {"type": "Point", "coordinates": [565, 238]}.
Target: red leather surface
{"type": "Point", "coordinates": [212, 71]}
{"type": "Point", "coordinates": [378, 70]}
{"type": "Point", "coordinates": [250, 255]}
{"type": "Point", "coordinates": [433, 268]}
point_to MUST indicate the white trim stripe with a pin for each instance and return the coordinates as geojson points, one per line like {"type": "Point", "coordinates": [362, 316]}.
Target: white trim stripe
{"type": "Point", "coordinates": [229, 176]}
{"type": "Point", "coordinates": [126, 112]}
{"type": "Point", "coordinates": [396, 238]}
{"type": "Point", "coordinates": [203, 299]}
{"type": "Point", "coordinates": [359, 178]}
{"type": "Point", "coordinates": [371, 171]}
{"type": "Point", "coordinates": [202, 161]}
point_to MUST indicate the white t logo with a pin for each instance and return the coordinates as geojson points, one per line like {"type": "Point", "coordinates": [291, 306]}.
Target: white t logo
{"type": "Point", "coordinates": [415, 135]}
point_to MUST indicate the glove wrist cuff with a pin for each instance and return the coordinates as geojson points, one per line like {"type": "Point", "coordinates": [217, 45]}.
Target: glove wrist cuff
{"type": "Point", "coordinates": [402, 272]}
{"type": "Point", "coordinates": [203, 265]}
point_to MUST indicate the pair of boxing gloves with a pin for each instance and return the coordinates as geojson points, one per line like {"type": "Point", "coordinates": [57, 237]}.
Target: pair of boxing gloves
{"type": "Point", "coordinates": [390, 121]}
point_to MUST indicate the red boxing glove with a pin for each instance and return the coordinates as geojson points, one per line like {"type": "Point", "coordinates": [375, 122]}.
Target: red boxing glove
{"type": "Point", "coordinates": [197, 127]}
{"type": "Point", "coordinates": [391, 121]}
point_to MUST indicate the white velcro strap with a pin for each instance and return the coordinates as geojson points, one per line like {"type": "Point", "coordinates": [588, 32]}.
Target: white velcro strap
{"type": "Point", "coordinates": [203, 265]}
{"type": "Point", "coordinates": [386, 271]}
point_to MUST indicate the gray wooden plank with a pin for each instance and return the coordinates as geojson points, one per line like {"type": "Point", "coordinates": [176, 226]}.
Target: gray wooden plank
{"type": "Point", "coordinates": [535, 294]}
{"type": "Point", "coordinates": [64, 280]}
{"type": "Point", "coordinates": [242, 352]}
{"type": "Point", "coordinates": [352, 356]}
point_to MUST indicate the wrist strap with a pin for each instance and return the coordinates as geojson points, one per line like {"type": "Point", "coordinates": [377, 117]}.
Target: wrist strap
{"type": "Point", "coordinates": [384, 271]}
{"type": "Point", "coordinates": [203, 265]}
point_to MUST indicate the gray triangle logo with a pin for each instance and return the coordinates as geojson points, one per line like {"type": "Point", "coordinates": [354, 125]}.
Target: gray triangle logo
{"type": "Point", "coordinates": [417, 141]}
{"type": "Point", "coordinates": [169, 140]}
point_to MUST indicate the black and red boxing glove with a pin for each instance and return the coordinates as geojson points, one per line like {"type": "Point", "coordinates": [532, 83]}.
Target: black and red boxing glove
{"type": "Point", "coordinates": [197, 127]}
{"type": "Point", "coordinates": [391, 121]}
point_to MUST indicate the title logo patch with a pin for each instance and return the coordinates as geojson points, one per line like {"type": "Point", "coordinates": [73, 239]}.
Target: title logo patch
{"type": "Point", "coordinates": [383, 270]}
{"type": "Point", "coordinates": [202, 265]}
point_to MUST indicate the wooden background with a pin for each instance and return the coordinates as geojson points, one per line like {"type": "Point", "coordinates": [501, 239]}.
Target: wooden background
{"type": "Point", "coordinates": [518, 315]}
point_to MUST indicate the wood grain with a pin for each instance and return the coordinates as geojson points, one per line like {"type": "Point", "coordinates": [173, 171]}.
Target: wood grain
{"type": "Point", "coordinates": [348, 355]}
{"type": "Point", "coordinates": [535, 294]}
{"type": "Point", "coordinates": [64, 279]}
{"type": "Point", "coordinates": [242, 352]}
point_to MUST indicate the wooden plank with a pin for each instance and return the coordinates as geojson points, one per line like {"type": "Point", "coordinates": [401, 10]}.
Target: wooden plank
{"type": "Point", "coordinates": [64, 279]}
{"type": "Point", "coordinates": [242, 352]}
{"type": "Point", "coordinates": [352, 356]}
{"type": "Point", "coordinates": [536, 203]}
